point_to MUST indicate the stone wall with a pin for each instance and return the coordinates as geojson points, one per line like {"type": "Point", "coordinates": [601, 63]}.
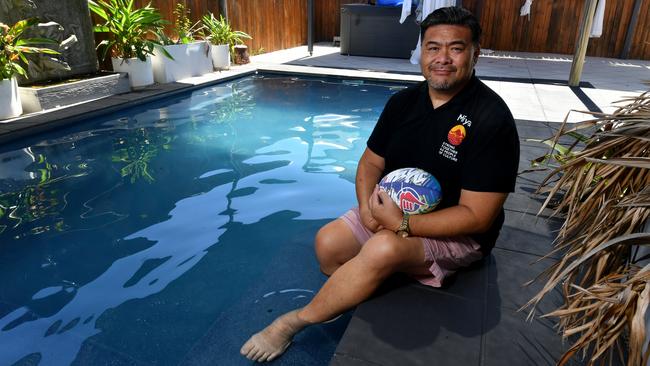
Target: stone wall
{"type": "Point", "coordinates": [74, 17]}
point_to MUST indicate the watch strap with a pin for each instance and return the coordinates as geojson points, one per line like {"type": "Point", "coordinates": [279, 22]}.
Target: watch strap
{"type": "Point", "coordinates": [404, 226]}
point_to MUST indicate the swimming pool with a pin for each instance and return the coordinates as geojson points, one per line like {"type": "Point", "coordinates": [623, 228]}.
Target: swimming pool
{"type": "Point", "coordinates": [170, 232]}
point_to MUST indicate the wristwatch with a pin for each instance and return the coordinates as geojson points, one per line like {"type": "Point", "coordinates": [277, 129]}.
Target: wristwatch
{"type": "Point", "coordinates": [403, 230]}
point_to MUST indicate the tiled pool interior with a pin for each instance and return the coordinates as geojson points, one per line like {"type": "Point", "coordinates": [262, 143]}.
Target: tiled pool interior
{"type": "Point", "coordinates": [169, 232]}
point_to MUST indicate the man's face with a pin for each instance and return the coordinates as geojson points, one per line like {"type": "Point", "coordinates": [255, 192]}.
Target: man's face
{"type": "Point", "coordinates": [448, 56]}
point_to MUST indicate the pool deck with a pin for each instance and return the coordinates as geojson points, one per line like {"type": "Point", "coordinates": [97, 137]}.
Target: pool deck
{"type": "Point", "coordinates": [473, 320]}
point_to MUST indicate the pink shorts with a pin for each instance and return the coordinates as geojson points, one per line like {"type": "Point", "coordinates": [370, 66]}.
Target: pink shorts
{"type": "Point", "coordinates": [446, 255]}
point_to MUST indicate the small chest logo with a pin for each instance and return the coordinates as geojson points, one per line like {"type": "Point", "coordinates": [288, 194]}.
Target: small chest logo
{"type": "Point", "coordinates": [456, 135]}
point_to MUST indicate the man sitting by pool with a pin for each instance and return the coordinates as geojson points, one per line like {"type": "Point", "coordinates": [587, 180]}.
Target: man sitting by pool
{"type": "Point", "coordinates": [419, 127]}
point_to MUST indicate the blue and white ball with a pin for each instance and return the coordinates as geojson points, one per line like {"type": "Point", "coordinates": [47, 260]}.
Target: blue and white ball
{"type": "Point", "coordinates": [414, 190]}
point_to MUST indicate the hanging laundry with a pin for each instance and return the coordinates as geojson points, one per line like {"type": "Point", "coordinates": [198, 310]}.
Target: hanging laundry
{"type": "Point", "coordinates": [525, 9]}
{"type": "Point", "coordinates": [406, 10]}
{"type": "Point", "coordinates": [428, 6]}
{"type": "Point", "coordinates": [599, 18]}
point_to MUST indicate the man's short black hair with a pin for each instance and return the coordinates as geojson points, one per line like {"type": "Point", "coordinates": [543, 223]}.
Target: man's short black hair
{"type": "Point", "coordinates": [453, 15]}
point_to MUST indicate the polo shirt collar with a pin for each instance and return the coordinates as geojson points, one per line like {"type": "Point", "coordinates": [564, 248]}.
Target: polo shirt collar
{"type": "Point", "coordinates": [460, 98]}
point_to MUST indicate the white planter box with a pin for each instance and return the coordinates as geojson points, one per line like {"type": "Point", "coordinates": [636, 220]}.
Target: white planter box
{"type": "Point", "coordinates": [166, 70]}
{"type": "Point", "coordinates": [201, 58]}
{"type": "Point", "coordinates": [140, 72]}
{"type": "Point", "coordinates": [189, 60]}
{"type": "Point", "coordinates": [9, 99]}
{"type": "Point", "coordinates": [220, 56]}
{"type": "Point", "coordinates": [35, 99]}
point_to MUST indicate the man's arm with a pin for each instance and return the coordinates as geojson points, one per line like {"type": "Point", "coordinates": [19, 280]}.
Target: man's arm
{"type": "Point", "coordinates": [370, 168]}
{"type": "Point", "coordinates": [474, 214]}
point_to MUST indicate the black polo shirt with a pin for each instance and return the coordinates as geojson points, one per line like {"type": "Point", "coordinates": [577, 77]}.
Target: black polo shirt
{"type": "Point", "coordinates": [470, 143]}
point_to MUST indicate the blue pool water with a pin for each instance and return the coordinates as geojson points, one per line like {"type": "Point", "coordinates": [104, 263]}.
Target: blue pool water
{"type": "Point", "coordinates": [168, 233]}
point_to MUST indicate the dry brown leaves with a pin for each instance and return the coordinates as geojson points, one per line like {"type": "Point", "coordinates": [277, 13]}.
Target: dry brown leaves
{"type": "Point", "coordinates": [603, 192]}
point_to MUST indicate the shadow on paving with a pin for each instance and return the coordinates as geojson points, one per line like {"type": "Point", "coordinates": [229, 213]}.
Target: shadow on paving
{"type": "Point", "coordinates": [474, 318]}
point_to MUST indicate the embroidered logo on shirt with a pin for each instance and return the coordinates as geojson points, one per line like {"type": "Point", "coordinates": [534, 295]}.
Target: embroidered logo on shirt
{"type": "Point", "coordinates": [456, 135]}
{"type": "Point", "coordinates": [464, 120]}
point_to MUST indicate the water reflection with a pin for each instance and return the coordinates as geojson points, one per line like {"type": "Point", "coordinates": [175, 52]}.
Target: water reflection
{"type": "Point", "coordinates": [115, 211]}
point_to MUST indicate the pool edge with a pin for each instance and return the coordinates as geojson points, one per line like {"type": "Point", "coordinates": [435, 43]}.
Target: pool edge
{"type": "Point", "coordinates": [39, 122]}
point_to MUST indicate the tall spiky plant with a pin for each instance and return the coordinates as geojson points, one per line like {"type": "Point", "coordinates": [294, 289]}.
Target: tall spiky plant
{"type": "Point", "coordinates": [603, 192]}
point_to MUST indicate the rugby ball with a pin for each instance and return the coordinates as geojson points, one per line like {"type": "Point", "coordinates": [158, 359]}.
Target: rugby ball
{"type": "Point", "coordinates": [414, 190]}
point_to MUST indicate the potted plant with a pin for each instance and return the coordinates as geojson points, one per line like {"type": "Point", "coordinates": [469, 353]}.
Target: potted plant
{"type": "Point", "coordinates": [223, 39]}
{"type": "Point", "coordinates": [13, 47]}
{"type": "Point", "coordinates": [133, 34]}
{"type": "Point", "coordinates": [191, 57]}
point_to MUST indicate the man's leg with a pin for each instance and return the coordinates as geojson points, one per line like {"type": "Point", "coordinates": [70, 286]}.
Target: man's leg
{"type": "Point", "coordinates": [335, 244]}
{"type": "Point", "coordinates": [382, 255]}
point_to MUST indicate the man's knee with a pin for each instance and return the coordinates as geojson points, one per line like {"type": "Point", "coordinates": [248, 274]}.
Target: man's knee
{"type": "Point", "coordinates": [325, 243]}
{"type": "Point", "coordinates": [324, 252]}
{"type": "Point", "coordinates": [387, 251]}
{"type": "Point", "coordinates": [334, 247]}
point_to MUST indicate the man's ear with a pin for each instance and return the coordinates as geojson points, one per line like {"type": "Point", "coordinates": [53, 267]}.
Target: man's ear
{"type": "Point", "coordinates": [477, 52]}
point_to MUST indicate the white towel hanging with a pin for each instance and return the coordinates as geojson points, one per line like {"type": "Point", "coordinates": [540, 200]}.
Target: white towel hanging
{"type": "Point", "coordinates": [599, 18]}
{"type": "Point", "coordinates": [406, 10]}
{"type": "Point", "coordinates": [525, 9]}
{"type": "Point", "coordinates": [428, 6]}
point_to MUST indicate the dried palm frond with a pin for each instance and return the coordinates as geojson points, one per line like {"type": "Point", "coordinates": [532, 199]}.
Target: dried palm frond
{"type": "Point", "coordinates": [603, 191]}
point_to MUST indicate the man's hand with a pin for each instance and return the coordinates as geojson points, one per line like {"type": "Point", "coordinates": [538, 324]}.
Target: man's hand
{"type": "Point", "coordinates": [369, 171]}
{"type": "Point", "coordinates": [367, 219]}
{"type": "Point", "coordinates": [383, 210]}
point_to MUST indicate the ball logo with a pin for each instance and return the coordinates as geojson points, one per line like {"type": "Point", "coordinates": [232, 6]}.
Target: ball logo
{"type": "Point", "coordinates": [413, 190]}
{"type": "Point", "coordinates": [456, 135]}
{"type": "Point", "coordinates": [409, 200]}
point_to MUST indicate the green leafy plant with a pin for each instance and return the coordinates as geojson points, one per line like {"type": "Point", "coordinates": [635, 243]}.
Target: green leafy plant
{"type": "Point", "coordinates": [14, 46]}
{"type": "Point", "coordinates": [132, 32]}
{"type": "Point", "coordinates": [184, 28]}
{"type": "Point", "coordinates": [220, 32]}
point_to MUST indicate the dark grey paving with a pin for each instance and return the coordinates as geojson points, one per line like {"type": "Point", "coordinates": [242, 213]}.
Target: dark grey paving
{"type": "Point", "coordinates": [528, 233]}
{"type": "Point", "coordinates": [533, 129]}
{"type": "Point", "coordinates": [514, 341]}
{"type": "Point", "coordinates": [520, 201]}
{"type": "Point", "coordinates": [411, 326]}
{"type": "Point", "coordinates": [470, 283]}
{"type": "Point", "coordinates": [509, 271]}
{"type": "Point", "coordinates": [345, 360]}
{"type": "Point", "coordinates": [530, 152]}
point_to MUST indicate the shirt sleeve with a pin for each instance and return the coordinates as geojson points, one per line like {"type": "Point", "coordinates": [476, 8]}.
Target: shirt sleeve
{"type": "Point", "coordinates": [493, 159]}
{"type": "Point", "coordinates": [380, 134]}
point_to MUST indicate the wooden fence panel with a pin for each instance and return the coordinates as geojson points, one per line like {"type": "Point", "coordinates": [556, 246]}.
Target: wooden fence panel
{"type": "Point", "coordinates": [641, 40]}
{"type": "Point", "coordinates": [273, 24]}
{"type": "Point", "coordinates": [552, 26]}
{"type": "Point", "coordinates": [197, 8]}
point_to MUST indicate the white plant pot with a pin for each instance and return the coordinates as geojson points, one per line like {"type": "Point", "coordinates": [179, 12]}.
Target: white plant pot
{"type": "Point", "coordinates": [140, 72]}
{"type": "Point", "coordinates": [166, 70]}
{"type": "Point", "coordinates": [200, 57]}
{"type": "Point", "coordinates": [9, 99]}
{"type": "Point", "coordinates": [220, 56]}
{"type": "Point", "coordinates": [191, 59]}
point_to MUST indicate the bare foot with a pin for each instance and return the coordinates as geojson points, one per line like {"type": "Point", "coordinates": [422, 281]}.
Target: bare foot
{"type": "Point", "coordinates": [273, 340]}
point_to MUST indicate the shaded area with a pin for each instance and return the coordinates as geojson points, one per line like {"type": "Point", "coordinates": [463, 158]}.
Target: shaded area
{"type": "Point", "coordinates": [473, 320]}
